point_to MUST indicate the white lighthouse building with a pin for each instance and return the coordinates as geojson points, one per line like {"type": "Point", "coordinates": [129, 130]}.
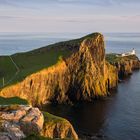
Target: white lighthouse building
{"type": "Point", "coordinates": [133, 52]}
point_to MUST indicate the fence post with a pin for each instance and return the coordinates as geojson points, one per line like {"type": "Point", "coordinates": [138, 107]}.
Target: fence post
{"type": "Point", "coordinates": [3, 81]}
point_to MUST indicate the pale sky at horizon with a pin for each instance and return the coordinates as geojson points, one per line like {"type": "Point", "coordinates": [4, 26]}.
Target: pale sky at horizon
{"type": "Point", "coordinates": [69, 15]}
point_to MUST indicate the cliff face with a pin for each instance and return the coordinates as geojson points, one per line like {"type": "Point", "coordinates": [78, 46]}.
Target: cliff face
{"type": "Point", "coordinates": [56, 127]}
{"type": "Point", "coordinates": [18, 122]}
{"type": "Point", "coordinates": [125, 65]}
{"type": "Point", "coordinates": [91, 75]}
{"type": "Point", "coordinates": [85, 75]}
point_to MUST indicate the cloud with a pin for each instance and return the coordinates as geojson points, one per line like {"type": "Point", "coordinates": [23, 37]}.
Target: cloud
{"type": "Point", "coordinates": [10, 17]}
{"type": "Point", "coordinates": [81, 2]}
{"type": "Point", "coordinates": [131, 17]}
{"type": "Point", "coordinates": [20, 15]}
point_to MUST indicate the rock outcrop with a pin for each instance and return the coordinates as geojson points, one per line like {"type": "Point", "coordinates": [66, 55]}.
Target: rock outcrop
{"type": "Point", "coordinates": [18, 122]}
{"type": "Point", "coordinates": [91, 75]}
{"type": "Point", "coordinates": [56, 127]}
{"type": "Point", "coordinates": [125, 65]}
{"type": "Point", "coordinates": [84, 75]}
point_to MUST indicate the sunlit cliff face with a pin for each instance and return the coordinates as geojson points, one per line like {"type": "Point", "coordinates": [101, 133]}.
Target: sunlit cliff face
{"type": "Point", "coordinates": [84, 75]}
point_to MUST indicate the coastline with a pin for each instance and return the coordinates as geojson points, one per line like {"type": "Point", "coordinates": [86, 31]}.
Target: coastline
{"type": "Point", "coordinates": [88, 49]}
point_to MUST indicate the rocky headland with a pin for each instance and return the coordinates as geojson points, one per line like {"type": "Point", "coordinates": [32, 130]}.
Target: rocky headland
{"type": "Point", "coordinates": [125, 65]}
{"type": "Point", "coordinates": [87, 73]}
{"type": "Point", "coordinates": [83, 76]}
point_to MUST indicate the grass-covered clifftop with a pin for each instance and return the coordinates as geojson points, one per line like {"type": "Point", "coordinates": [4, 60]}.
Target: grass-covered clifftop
{"type": "Point", "coordinates": [113, 58]}
{"type": "Point", "coordinates": [125, 65]}
{"type": "Point", "coordinates": [36, 60]}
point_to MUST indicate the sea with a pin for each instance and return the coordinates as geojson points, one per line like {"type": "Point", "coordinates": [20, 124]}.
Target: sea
{"type": "Point", "coordinates": [116, 117]}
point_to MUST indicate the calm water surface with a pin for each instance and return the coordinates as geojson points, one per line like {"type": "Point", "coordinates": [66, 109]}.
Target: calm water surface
{"type": "Point", "coordinates": [116, 117]}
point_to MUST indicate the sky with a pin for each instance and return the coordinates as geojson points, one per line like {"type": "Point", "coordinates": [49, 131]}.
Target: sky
{"type": "Point", "coordinates": [69, 15]}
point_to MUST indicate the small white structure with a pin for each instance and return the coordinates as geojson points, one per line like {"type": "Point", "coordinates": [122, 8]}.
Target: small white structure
{"type": "Point", "coordinates": [133, 52]}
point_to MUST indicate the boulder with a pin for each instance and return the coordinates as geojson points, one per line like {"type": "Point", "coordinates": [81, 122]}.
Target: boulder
{"type": "Point", "coordinates": [18, 122]}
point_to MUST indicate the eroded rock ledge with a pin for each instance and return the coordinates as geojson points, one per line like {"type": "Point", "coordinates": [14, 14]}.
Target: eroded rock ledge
{"type": "Point", "coordinates": [18, 122]}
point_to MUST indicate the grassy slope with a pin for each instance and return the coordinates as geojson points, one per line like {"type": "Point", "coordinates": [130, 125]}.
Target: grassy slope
{"type": "Point", "coordinates": [33, 61]}
{"type": "Point", "coordinates": [14, 100]}
{"type": "Point", "coordinates": [112, 58]}
{"type": "Point", "coordinates": [7, 69]}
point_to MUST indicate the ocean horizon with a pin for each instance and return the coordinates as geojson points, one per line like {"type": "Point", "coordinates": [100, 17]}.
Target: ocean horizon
{"type": "Point", "coordinates": [11, 43]}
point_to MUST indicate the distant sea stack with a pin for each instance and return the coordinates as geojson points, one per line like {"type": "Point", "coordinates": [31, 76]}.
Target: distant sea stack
{"type": "Point", "coordinates": [82, 76]}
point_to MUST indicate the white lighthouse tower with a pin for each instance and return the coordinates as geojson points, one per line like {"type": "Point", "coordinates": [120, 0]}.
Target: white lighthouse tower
{"type": "Point", "coordinates": [133, 52]}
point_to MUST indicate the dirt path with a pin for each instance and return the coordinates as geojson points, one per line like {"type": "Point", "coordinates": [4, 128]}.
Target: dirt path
{"type": "Point", "coordinates": [14, 64]}
{"type": "Point", "coordinates": [17, 71]}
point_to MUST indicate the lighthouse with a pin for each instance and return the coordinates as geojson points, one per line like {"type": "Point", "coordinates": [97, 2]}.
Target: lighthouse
{"type": "Point", "coordinates": [133, 52]}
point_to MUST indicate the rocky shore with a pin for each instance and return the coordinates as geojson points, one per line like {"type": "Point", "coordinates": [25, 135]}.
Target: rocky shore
{"type": "Point", "coordinates": [20, 122]}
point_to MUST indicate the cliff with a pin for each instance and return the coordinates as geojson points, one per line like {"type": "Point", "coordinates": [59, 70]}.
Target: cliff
{"type": "Point", "coordinates": [125, 65]}
{"type": "Point", "coordinates": [84, 75]}
{"type": "Point", "coordinates": [56, 127]}
{"type": "Point", "coordinates": [18, 122]}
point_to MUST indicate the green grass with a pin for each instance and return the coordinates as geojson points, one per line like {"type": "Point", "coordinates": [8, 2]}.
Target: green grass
{"type": "Point", "coordinates": [33, 62]}
{"type": "Point", "coordinates": [112, 58]}
{"type": "Point", "coordinates": [36, 60]}
{"type": "Point", "coordinates": [49, 118]}
{"type": "Point", "coordinates": [12, 101]}
{"type": "Point", "coordinates": [7, 69]}
{"type": "Point", "coordinates": [28, 63]}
